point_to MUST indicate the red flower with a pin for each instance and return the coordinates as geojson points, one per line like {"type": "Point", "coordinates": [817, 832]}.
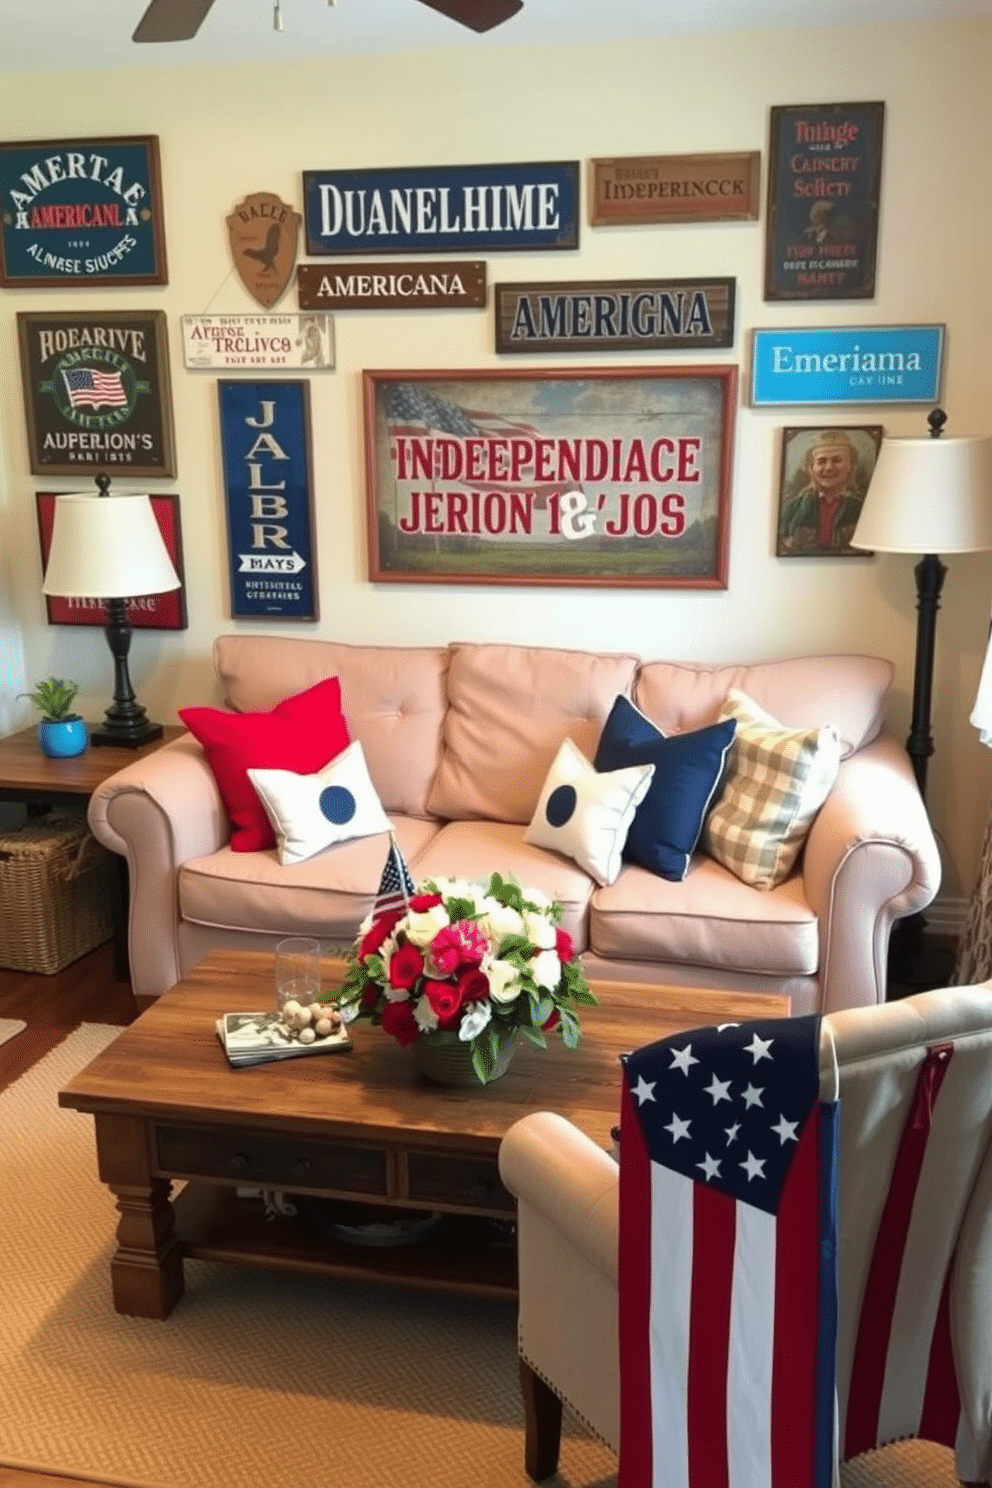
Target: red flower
{"type": "Point", "coordinates": [423, 902]}
{"type": "Point", "coordinates": [473, 986]}
{"type": "Point", "coordinates": [446, 1000]}
{"type": "Point", "coordinates": [461, 944]}
{"type": "Point", "coordinates": [551, 1022]}
{"type": "Point", "coordinates": [563, 945]}
{"type": "Point", "coordinates": [398, 1021]}
{"type": "Point", "coordinates": [377, 932]}
{"type": "Point", "coordinates": [405, 966]}
{"type": "Point", "coordinates": [370, 996]}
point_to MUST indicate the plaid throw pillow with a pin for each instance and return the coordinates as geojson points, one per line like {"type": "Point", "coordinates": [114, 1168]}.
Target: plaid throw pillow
{"type": "Point", "coordinates": [777, 780]}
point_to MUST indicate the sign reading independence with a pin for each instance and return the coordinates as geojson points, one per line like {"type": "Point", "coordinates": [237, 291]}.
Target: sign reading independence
{"type": "Point", "coordinates": [615, 315]}
{"type": "Point", "coordinates": [867, 364]}
{"type": "Point", "coordinates": [442, 209]}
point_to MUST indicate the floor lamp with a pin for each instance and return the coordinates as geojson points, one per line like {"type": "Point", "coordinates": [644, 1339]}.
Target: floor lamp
{"type": "Point", "coordinates": [110, 548]}
{"type": "Point", "coordinates": [926, 496]}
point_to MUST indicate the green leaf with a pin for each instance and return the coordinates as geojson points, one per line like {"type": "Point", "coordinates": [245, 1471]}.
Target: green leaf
{"type": "Point", "coordinates": [534, 1036]}
{"type": "Point", "coordinates": [570, 1029]}
{"type": "Point", "coordinates": [460, 909]}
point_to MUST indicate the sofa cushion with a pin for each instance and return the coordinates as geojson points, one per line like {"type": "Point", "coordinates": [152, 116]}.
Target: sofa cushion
{"type": "Point", "coordinates": [327, 896]}
{"type": "Point", "coordinates": [392, 697]}
{"type": "Point", "coordinates": [586, 814]}
{"type": "Point", "coordinates": [300, 733]}
{"type": "Point", "coordinates": [311, 812]}
{"type": "Point", "coordinates": [710, 919]}
{"type": "Point", "coordinates": [474, 850]}
{"type": "Point", "coordinates": [777, 780]}
{"type": "Point", "coordinates": [804, 692]}
{"type": "Point", "coordinates": [688, 769]}
{"type": "Point", "coordinates": [509, 708]}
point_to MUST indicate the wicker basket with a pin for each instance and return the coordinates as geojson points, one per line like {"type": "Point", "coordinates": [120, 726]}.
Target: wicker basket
{"type": "Point", "coordinates": [55, 890]}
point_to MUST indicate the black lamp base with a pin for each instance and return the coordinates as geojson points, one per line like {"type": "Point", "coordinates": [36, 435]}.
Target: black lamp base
{"type": "Point", "coordinates": [130, 735]}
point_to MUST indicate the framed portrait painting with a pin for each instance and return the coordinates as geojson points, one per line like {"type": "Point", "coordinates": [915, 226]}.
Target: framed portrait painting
{"type": "Point", "coordinates": [823, 482]}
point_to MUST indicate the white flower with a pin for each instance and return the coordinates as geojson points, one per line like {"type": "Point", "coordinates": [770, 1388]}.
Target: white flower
{"type": "Point", "coordinates": [365, 926]}
{"type": "Point", "coordinates": [421, 927]}
{"type": "Point", "coordinates": [475, 1020]}
{"type": "Point", "coordinates": [546, 970]}
{"type": "Point", "coordinates": [460, 888]}
{"type": "Point", "coordinates": [504, 981]}
{"type": "Point", "coordinates": [538, 897]}
{"type": "Point", "coordinates": [424, 1015]}
{"type": "Point", "coordinates": [539, 930]}
{"type": "Point", "coordinates": [498, 920]}
{"type": "Point", "coordinates": [396, 994]}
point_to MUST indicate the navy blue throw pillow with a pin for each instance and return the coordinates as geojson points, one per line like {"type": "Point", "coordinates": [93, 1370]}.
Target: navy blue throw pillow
{"type": "Point", "coordinates": [688, 768]}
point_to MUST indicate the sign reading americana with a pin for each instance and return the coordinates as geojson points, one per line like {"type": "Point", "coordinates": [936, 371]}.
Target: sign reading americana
{"type": "Point", "coordinates": [442, 209]}
{"type": "Point", "coordinates": [867, 364]}
{"type": "Point", "coordinates": [393, 286]}
{"type": "Point", "coordinates": [615, 315]}
{"type": "Point", "coordinates": [81, 212]}
{"type": "Point", "coordinates": [97, 392]}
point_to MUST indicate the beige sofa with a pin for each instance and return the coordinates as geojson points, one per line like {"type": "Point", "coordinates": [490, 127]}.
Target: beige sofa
{"type": "Point", "coordinates": [458, 741]}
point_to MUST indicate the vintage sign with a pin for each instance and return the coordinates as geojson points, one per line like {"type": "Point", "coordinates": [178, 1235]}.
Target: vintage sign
{"type": "Point", "coordinates": [449, 284]}
{"type": "Point", "coordinates": [290, 342]}
{"type": "Point", "coordinates": [144, 611]}
{"type": "Point", "coordinates": [268, 484]}
{"type": "Point", "coordinates": [96, 391]}
{"type": "Point", "coordinates": [442, 209]}
{"type": "Point", "coordinates": [264, 233]}
{"type": "Point", "coordinates": [674, 188]}
{"type": "Point", "coordinates": [848, 364]}
{"type": "Point", "coordinates": [85, 211]}
{"type": "Point", "coordinates": [616, 477]}
{"type": "Point", "coordinates": [615, 315]}
{"type": "Point", "coordinates": [824, 180]}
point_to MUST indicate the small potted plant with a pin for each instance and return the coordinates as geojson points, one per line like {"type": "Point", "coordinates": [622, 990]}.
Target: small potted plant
{"type": "Point", "coordinates": [61, 732]}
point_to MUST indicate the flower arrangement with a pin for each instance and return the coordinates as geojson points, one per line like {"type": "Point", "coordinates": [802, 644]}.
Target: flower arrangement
{"type": "Point", "coordinates": [485, 962]}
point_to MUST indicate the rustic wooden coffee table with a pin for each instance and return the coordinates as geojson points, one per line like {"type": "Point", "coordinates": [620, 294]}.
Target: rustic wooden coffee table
{"type": "Point", "coordinates": [359, 1125]}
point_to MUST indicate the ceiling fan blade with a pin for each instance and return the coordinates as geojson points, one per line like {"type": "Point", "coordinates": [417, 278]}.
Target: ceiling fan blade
{"type": "Point", "coordinates": [171, 20]}
{"type": "Point", "coordinates": [478, 15]}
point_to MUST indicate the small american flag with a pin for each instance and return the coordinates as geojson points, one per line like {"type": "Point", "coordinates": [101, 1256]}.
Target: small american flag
{"type": "Point", "coordinates": [395, 885]}
{"type": "Point", "coordinates": [89, 388]}
{"type": "Point", "coordinates": [728, 1291]}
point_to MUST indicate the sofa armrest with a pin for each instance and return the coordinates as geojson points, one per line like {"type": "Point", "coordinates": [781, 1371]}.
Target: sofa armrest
{"type": "Point", "coordinates": [871, 857]}
{"type": "Point", "coordinates": [158, 813]}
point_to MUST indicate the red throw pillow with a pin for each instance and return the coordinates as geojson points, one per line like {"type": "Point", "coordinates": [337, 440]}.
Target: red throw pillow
{"type": "Point", "coordinates": [302, 733]}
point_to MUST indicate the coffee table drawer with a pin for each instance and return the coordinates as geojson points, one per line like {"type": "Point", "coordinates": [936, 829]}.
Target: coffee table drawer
{"type": "Point", "coordinates": [275, 1161]}
{"type": "Point", "coordinates": [472, 1183]}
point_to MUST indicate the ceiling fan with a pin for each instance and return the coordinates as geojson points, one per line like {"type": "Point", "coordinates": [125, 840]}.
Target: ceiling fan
{"type": "Point", "coordinates": [179, 20]}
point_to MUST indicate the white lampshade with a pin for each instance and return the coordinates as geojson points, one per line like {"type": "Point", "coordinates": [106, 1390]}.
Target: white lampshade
{"type": "Point", "coordinates": [107, 547]}
{"type": "Point", "coordinates": [928, 496]}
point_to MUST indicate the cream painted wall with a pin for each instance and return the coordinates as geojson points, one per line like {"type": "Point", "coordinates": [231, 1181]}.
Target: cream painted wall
{"type": "Point", "coordinates": [225, 132]}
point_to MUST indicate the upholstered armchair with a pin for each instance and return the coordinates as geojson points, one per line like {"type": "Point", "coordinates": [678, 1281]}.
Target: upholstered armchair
{"type": "Point", "coordinates": [914, 1245]}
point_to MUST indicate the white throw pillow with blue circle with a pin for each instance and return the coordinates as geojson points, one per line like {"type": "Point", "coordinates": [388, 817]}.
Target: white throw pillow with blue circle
{"type": "Point", "coordinates": [311, 812]}
{"type": "Point", "coordinates": [586, 814]}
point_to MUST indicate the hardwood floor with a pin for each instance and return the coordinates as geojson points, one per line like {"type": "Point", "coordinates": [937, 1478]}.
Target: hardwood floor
{"type": "Point", "coordinates": [52, 1006]}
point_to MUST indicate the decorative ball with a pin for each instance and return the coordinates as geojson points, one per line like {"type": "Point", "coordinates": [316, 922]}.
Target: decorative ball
{"type": "Point", "coordinates": [323, 1027]}
{"type": "Point", "coordinates": [307, 1036]}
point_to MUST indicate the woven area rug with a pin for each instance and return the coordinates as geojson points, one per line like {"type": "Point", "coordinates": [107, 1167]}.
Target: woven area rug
{"type": "Point", "coordinates": [10, 1028]}
{"type": "Point", "coordinates": [257, 1379]}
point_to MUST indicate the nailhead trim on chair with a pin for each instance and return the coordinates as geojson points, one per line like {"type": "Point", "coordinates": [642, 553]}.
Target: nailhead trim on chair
{"type": "Point", "coordinates": [565, 1401]}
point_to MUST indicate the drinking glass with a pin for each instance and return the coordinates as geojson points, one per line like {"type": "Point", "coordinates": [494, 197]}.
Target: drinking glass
{"type": "Point", "coordinates": [297, 970]}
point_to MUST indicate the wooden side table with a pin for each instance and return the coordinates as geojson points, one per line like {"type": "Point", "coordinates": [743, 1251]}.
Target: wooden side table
{"type": "Point", "coordinates": [31, 778]}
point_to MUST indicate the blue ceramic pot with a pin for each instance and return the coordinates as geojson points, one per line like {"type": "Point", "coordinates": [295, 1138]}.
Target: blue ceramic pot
{"type": "Point", "coordinates": [63, 739]}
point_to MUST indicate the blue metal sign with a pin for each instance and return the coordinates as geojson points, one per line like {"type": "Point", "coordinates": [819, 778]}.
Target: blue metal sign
{"type": "Point", "coordinates": [848, 364]}
{"type": "Point", "coordinates": [265, 436]}
{"type": "Point", "coordinates": [442, 209]}
{"type": "Point", "coordinates": [85, 211]}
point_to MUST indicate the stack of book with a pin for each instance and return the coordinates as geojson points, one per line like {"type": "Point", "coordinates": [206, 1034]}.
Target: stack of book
{"type": "Point", "coordinates": [261, 1038]}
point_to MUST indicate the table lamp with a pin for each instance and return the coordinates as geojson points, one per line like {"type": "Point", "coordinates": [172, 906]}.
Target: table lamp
{"type": "Point", "coordinates": [928, 496]}
{"type": "Point", "coordinates": [110, 548]}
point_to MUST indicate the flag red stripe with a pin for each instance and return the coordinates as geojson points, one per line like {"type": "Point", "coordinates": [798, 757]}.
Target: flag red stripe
{"type": "Point", "coordinates": [713, 1230]}
{"type": "Point", "coordinates": [796, 1327]}
{"type": "Point", "coordinates": [634, 1301]}
{"type": "Point", "coordinates": [941, 1401]}
{"type": "Point", "coordinates": [878, 1307]}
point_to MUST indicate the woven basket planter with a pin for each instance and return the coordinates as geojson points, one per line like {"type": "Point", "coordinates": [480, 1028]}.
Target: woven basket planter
{"type": "Point", "coordinates": [55, 892]}
{"type": "Point", "coordinates": [446, 1059]}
